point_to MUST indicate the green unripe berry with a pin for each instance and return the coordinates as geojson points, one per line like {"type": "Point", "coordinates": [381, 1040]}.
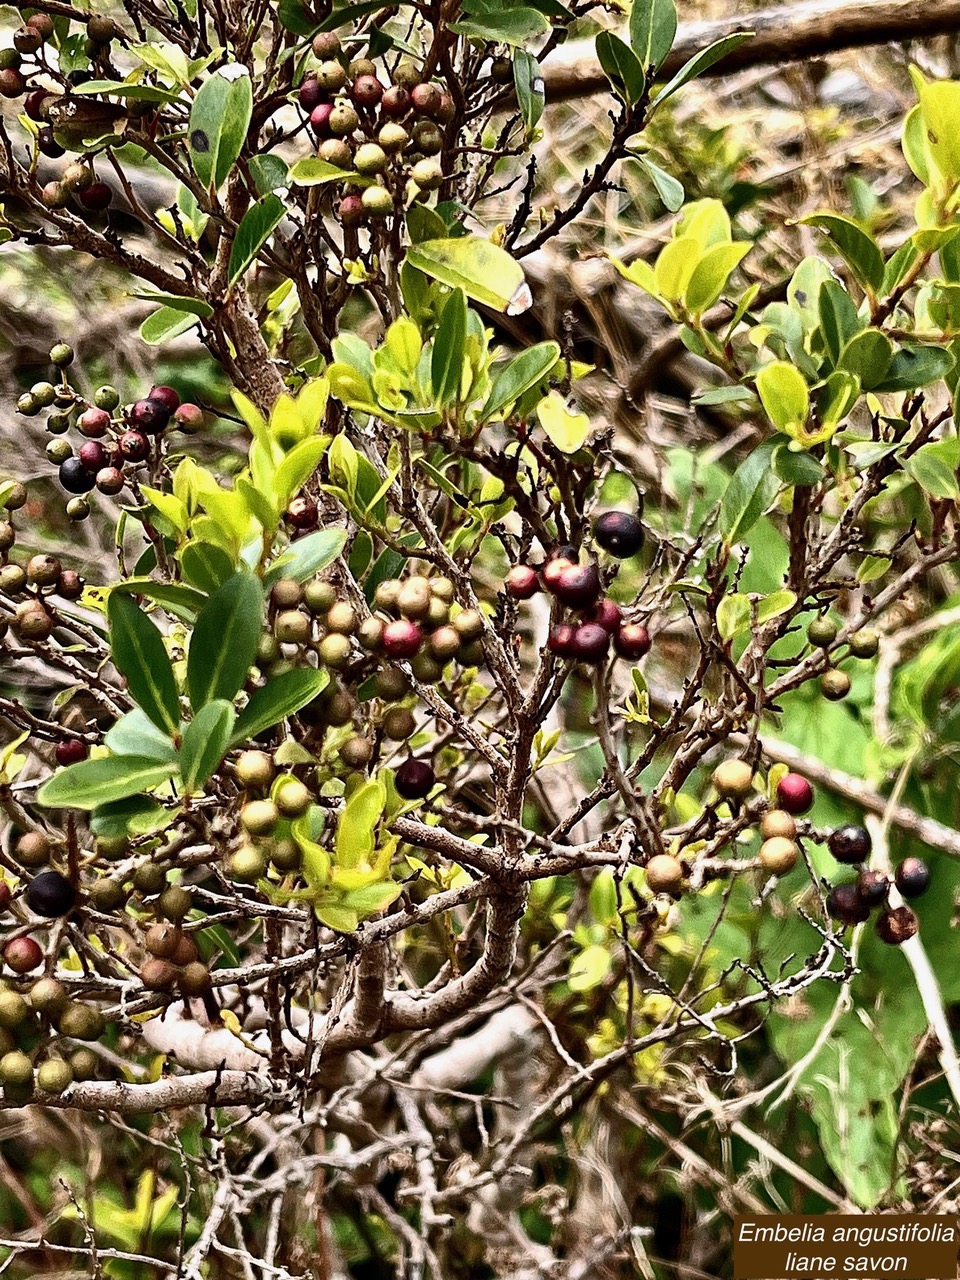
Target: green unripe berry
{"type": "Point", "coordinates": [61, 355]}
{"type": "Point", "coordinates": [58, 423]}
{"type": "Point", "coordinates": [78, 509]}
{"type": "Point", "coordinates": [246, 865]}
{"type": "Point", "coordinates": [331, 76]}
{"type": "Point", "coordinates": [292, 627]}
{"type": "Point", "coordinates": [427, 174]}
{"type": "Point", "coordinates": [106, 397]}
{"type": "Point", "coordinates": [377, 201]}
{"type": "Point", "coordinates": [80, 1021]}
{"type": "Point", "coordinates": [356, 751]}
{"type": "Point", "coordinates": [865, 643]}
{"type": "Point", "coordinates": [255, 769]}
{"type": "Point", "coordinates": [407, 74]}
{"type": "Point", "coordinates": [291, 797]}
{"type": "Point", "coordinates": [733, 779]}
{"type": "Point", "coordinates": [319, 596]}
{"type": "Point", "coordinates": [149, 879]}
{"type": "Point", "coordinates": [286, 855]}
{"type": "Point", "coordinates": [413, 598]}
{"type": "Point", "coordinates": [443, 589]}
{"type": "Point", "coordinates": [16, 1069]}
{"type": "Point", "coordinates": [259, 817]}
{"type": "Point", "coordinates": [778, 855]}
{"type": "Point", "coordinates": [822, 632]}
{"type": "Point", "coordinates": [341, 617]}
{"type": "Point", "coordinates": [27, 405]}
{"type": "Point", "coordinates": [44, 393]}
{"type": "Point", "coordinates": [438, 615]}
{"type": "Point", "coordinates": [343, 120]}
{"type": "Point", "coordinates": [112, 847]}
{"type": "Point", "coordinates": [370, 159]}
{"type": "Point", "coordinates": [370, 634]}
{"type": "Point", "coordinates": [54, 1076]}
{"type": "Point", "coordinates": [427, 138]}
{"type": "Point", "coordinates": [14, 1010]}
{"type": "Point", "coordinates": [393, 138]}
{"type": "Point", "coordinates": [426, 669]}
{"type": "Point", "coordinates": [334, 651]}
{"type": "Point", "coordinates": [84, 1064]}
{"type": "Point", "coordinates": [398, 723]}
{"type": "Point", "coordinates": [286, 593]}
{"type": "Point", "coordinates": [107, 895]}
{"type": "Point", "coordinates": [48, 996]}
{"type": "Point", "coordinates": [469, 624]}
{"type": "Point", "coordinates": [174, 903]}
{"type": "Point", "coordinates": [835, 685]}
{"type": "Point", "coordinates": [17, 496]}
{"type": "Point", "coordinates": [13, 579]}
{"type": "Point", "coordinates": [336, 152]}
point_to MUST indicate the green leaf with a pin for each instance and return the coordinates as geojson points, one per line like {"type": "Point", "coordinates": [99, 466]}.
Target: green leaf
{"type": "Point", "coordinates": [136, 816]}
{"type": "Point", "coordinates": [224, 642]}
{"type": "Point", "coordinates": [206, 566]}
{"type": "Point", "coordinates": [733, 615]}
{"type": "Point", "coordinates": [528, 82]}
{"type": "Point", "coordinates": [653, 26]}
{"type": "Point", "coordinates": [751, 490]}
{"type": "Point", "coordinates": [138, 652]}
{"type": "Point", "coordinates": [524, 371]}
{"type": "Point", "coordinates": [254, 231]}
{"type": "Point", "coordinates": [446, 361]}
{"type": "Point", "coordinates": [219, 119]}
{"type": "Point", "coordinates": [516, 26]}
{"type": "Point", "coordinates": [205, 743]}
{"type": "Point", "coordinates": [622, 68]}
{"type": "Point", "coordinates": [867, 356]}
{"type": "Point", "coordinates": [293, 16]}
{"type": "Point", "coordinates": [307, 556]}
{"type": "Point", "coordinates": [914, 366]}
{"type": "Point", "coordinates": [940, 109]}
{"type": "Point", "coordinates": [268, 172]}
{"type": "Point", "coordinates": [701, 62]}
{"type": "Point", "coordinates": [858, 249]}
{"type": "Point", "coordinates": [313, 172]}
{"type": "Point", "coordinates": [565, 427]}
{"type": "Point", "coordinates": [358, 823]}
{"type": "Point", "coordinates": [785, 396]}
{"type": "Point", "coordinates": [667, 187]}
{"type": "Point", "coordinates": [166, 324]}
{"type": "Point", "coordinates": [96, 782]}
{"type": "Point", "coordinates": [483, 270]}
{"type": "Point", "coordinates": [797, 467]}
{"type": "Point", "coordinates": [934, 467]}
{"type": "Point", "coordinates": [775, 604]}
{"type": "Point", "coordinates": [711, 274]}
{"type": "Point", "coordinates": [134, 734]}
{"type": "Point", "coordinates": [838, 317]}
{"type": "Point", "coordinates": [297, 468]}
{"type": "Point", "coordinates": [176, 597]}
{"type": "Point", "coordinates": [279, 698]}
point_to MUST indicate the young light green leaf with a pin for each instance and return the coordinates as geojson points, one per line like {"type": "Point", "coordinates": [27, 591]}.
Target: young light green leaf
{"type": "Point", "coordinates": [139, 654]}
{"type": "Point", "coordinates": [785, 396]}
{"type": "Point", "coordinates": [446, 361]}
{"type": "Point", "coordinates": [653, 26]}
{"type": "Point", "coordinates": [667, 187]}
{"type": "Point", "coordinates": [297, 468]}
{"type": "Point", "coordinates": [224, 642]}
{"type": "Point", "coordinates": [565, 427]}
{"type": "Point", "coordinates": [255, 229]}
{"type": "Point", "coordinates": [308, 556]}
{"type": "Point", "coordinates": [711, 274]}
{"type": "Point", "coordinates": [219, 120]}
{"type": "Point", "coordinates": [733, 615]}
{"type": "Point", "coordinates": [358, 823]}
{"type": "Point", "coordinates": [97, 782]}
{"type": "Point", "coordinates": [205, 743]}
{"type": "Point", "coordinates": [279, 698]}
{"type": "Point", "coordinates": [313, 172]}
{"type": "Point", "coordinates": [483, 270]}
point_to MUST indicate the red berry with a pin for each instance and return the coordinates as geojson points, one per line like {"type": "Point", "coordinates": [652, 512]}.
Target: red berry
{"type": "Point", "coordinates": [110, 480]}
{"type": "Point", "coordinates": [94, 423]}
{"type": "Point", "coordinates": [522, 582]}
{"type": "Point", "coordinates": [578, 585]}
{"type": "Point", "coordinates": [320, 119]}
{"type": "Point", "coordinates": [310, 94]}
{"type": "Point", "coordinates": [401, 639]}
{"type": "Point", "coordinates": [366, 91]}
{"type": "Point", "coordinates": [395, 101]}
{"type": "Point", "coordinates": [5, 895]}
{"type": "Point", "coordinates": [33, 104]}
{"type": "Point", "coordinates": [302, 513]}
{"type": "Point", "coordinates": [632, 640]}
{"type": "Point", "coordinates": [551, 571]}
{"type": "Point", "coordinates": [134, 446]}
{"type": "Point", "coordinates": [606, 613]}
{"type": "Point", "coordinates": [351, 211]}
{"type": "Point", "coordinates": [23, 954]}
{"type": "Point", "coordinates": [427, 99]}
{"type": "Point", "coordinates": [96, 198]}
{"type": "Point", "coordinates": [71, 751]}
{"type": "Point", "coordinates": [590, 642]}
{"type": "Point", "coordinates": [794, 793]}
{"type": "Point", "coordinates": [189, 417]}
{"type": "Point", "coordinates": [561, 640]}
{"type": "Point", "coordinates": [93, 456]}
{"type": "Point", "coordinates": [166, 395]}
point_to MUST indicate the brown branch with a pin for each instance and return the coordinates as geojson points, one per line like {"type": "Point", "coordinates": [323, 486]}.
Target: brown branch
{"type": "Point", "coordinates": [782, 34]}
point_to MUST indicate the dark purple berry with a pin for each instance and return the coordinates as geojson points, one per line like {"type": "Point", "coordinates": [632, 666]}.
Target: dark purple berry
{"type": "Point", "coordinates": [845, 906]}
{"type": "Point", "coordinates": [619, 533]}
{"type": "Point", "coordinates": [578, 585]}
{"type": "Point", "coordinates": [414, 779]}
{"type": "Point", "coordinates": [96, 198]}
{"type": "Point", "coordinates": [632, 640]}
{"type": "Point", "coordinates": [134, 446]}
{"type": "Point", "coordinates": [50, 894]}
{"type": "Point", "coordinates": [896, 925]}
{"type": "Point", "coordinates": [74, 476]}
{"type": "Point", "coordinates": [850, 844]}
{"type": "Point", "coordinates": [93, 456]}
{"type": "Point", "coordinates": [872, 888]}
{"type": "Point", "coordinates": [913, 877]}
{"type": "Point", "coordinates": [149, 415]}
{"type": "Point", "coordinates": [590, 642]}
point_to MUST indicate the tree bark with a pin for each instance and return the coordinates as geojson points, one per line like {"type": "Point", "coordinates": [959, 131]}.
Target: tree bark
{"type": "Point", "coordinates": [788, 33]}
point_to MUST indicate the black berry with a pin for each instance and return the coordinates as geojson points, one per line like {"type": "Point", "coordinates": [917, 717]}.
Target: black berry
{"type": "Point", "coordinates": [50, 894]}
{"type": "Point", "coordinates": [850, 844]}
{"type": "Point", "coordinates": [913, 877]}
{"type": "Point", "coordinates": [618, 532]}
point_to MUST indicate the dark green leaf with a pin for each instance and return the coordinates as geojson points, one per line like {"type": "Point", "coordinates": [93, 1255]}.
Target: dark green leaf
{"type": "Point", "coordinates": [858, 249]}
{"type": "Point", "coordinates": [219, 120]}
{"type": "Point", "coordinates": [96, 782]}
{"type": "Point", "coordinates": [135, 816]}
{"type": "Point", "coordinates": [206, 566]}
{"type": "Point", "coordinates": [176, 597]}
{"type": "Point", "coordinates": [254, 231]}
{"type": "Point", "coordinates": [701, 62]}
{"type": "Point", "coordinates": [294, 17]}
{"type": "Point", "coordinates": [751, 490]}
{"type": "Point", "coordinates": [838, 318]}
{"type": "Point", "coordinates": [653, 26]}
{"type": "Point", "coordinates": [523, 372]}
{"type": "Point", "coordinates": [934, 467]}
{"type": "Point", "coordinates": [205, 743]}
{"type": "Point", "coordinates": [446, 363]}
{"type": "Point", "coordinates": [224, 642]}
{"type": "Point", "coordinates": [528, 82]}
{"type": "Point", "coordinates": [797, 468]}
{"type": "Point", "coordinates": [915, 366]}
{"type": "Point", "coordinates": [621, 66]}
{"type": "Point", "coordinates": [280, 697]}
{"type": "Point", "coordinates": [510, 26]}
{"type": "Point", "coordinates": [268, 173]}
{"type": "Point", "coordinates": [138, 652]}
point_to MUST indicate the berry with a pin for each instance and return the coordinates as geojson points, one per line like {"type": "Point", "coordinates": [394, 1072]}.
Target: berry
{"type": "Point", "coordinates": [560, 640]}
{"type": "Point", "coordinates": [606, 613]}
{"type": "Point", "coordinates": [844, 905]}
{"type": "Point", "coordinates": [292, 627]}
{"type": "Point", "coordinates": [302, 513]}
{"type": "Point", "coordinates": [166, 395]}
{"type": "Point", "coordinates": [362, 67]}
{"type": "Point", "coordinates": [326, 44]}
{"type": "Point", "coordinates": [46, 142]}
{"type": "Point", "coordinates": [426, 99]}
{"type": "Point", "coordinates": [134, 446]}
{"type": "Point", "coordinates": [578, 585]}
{"type": "Point", "coordinates": [41, 22]}
{"type": "Point", "coordinates": [794, 793]}
{"type": "Point", "coordinates": [822, 632]}
{"type": "Point", "coordinates": [913, 877]}
{"type": "Point", "coordinates": [96, 198]}
{"type": "Point", "coordinates": [336, 152]}
{"type": "Point", "coordinates": [402, 639]}
{"type": "Point", "coordinates": [414, 779]}
{"type": "Point", "coordinates": [110, 480]}
{"type": "Point", "coordinates": [158, 975]}
{"type": "Point", "coordinates": [255, 770]}
{"type": "Point", "coordinates": [50, 894]}
{"type": "Point", "coordinates": [55, 195]}
{"type": "Point", "coordinates": [850, 844]}
{"type": "Point", "coordinates": [834, 685]}
{"type": "Point", "coordinates": [590, 642]}
{"type": "Point", "coordinates": [445, 643]}
{"type": "Point", "coordinates": [106, 397]}
{"type": "Point", "coordinates": [872, 888]}
{"type": "Point", "coordinates": [427, 174]}
{"type": "Point", "coordinates": [554, 568]}
{"type": "Point", "coordinates": [343, 120]}
{"type": "Point", "coordinates": [102, 29]}
{"type": "Point", "coordinates": [58, 451]}
{"type": "Point", "coordinates": [865, 643]}
{"type": "Point", "coordinates": [74, 477]}
{"type": "Point", "coordinates": [286, 593]}
{"type": "Point", "coordinates": [22, 955]}
{"type": "Point", "coordinates": [395, 102]}
{"type": "Point", "coordinates": [377, 202]}
{"type": "Point", "coordinates": [427, 138]}
{"type": "Point", "coordinates": [149, 415]}
{"type": "Point", "coordinates": [777, 823]}
{"type": "Point", "coordinates": [72, 585]}
{"type": "Point", "coordinates": [33, 107]}
{"type": "Point", "coordinates": [174, 903]}
{"type": "Point", "coordinates": [94, 423]}
{"type": "Point", "coordinates": [501, 71]}
{"type": "Point", "coordinates": [16, 1069]}
{"type": "Point", "coordinates": [292, 798]}
{"type": "Point", "coordinates": [778, 855]}
{"type": "Point", "coordinates": [247, 864]}
{"type": "Point", "coordinates": [259, 817]}
{"type": "Point", "coordinates": [194, 979]}
{"type": "Point", "coordinates": [370, 159]}
{"type": "Point", "coordinates": [320, 119]}
{"type": "Point", "coordinates": [13, 579]}
{"type": "Point", "coordinates": [331, 76]}
{"type": "Point", "coordinates": [632, 640]}
{"type": "Point", "coordinates": [522, 582]}
{"type": "Point", "coordinates": [54, 1076]}
{"type": "Point", "coordinates": [80, 1021]}
{"type": "Point", "coordinates": [619, 533]}
{"type": "Point", "coordinates": [93, 456]}
{"type": "Point", "coordinates": [413, 598]}
{"type": "Point", "coordinates": [32, 622]}
{"type": "Point", "coordinates": [77, 177]}
{"type": "Point", "coordinates": [188, 418]}
{"type": "Point", "coordinates": [71, 751]}
{"type": "Point", "coordinates": [12, 84]}
{"type": "Point", "coordinates": [48, 996]}
{"type": "Point", "coordinates": [733, 779]}
{"type": "Point", "coordinates": [309, 95]}
{"type": "Point", "coordinates": [398, 724]}
{"type": "Point", "coordinates": [43, 394]}
{"type": "Point", "coordinates": [897, 925]}
{"type": "Point", "coordinates": [356, 751]}
{"type": "Point", "coordinates": [27, 40]}
{"type": "Point", "coordinates": [664, 874]}
{"type": "Point", "coordinates": [32, 849]}
{"type": "Point", "coordinates": [366, 91]}
{"type": "Point", "coordinates": [78, 508]}
{"type": "Point", "coordinates": [44, 570]}
{"type": "Point", "coordinates": [350, 211]}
